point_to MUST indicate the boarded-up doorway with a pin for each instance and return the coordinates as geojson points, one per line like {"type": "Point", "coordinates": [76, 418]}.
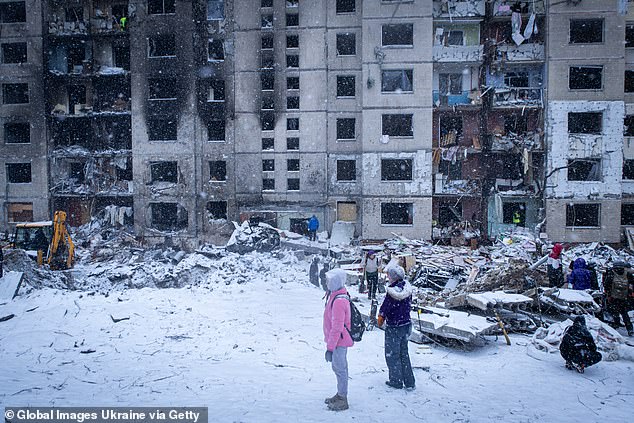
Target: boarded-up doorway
{"type": "Point", "coordinates": [347, 211]}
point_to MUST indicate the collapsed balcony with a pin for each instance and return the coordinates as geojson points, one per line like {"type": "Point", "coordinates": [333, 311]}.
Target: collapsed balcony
{"type": "Point", "coordinates": [516, 131]}
{"type": "Point", "coordinates": [518, 86]}
{"type": "Point", "coordinates": [508, 7]}
{"type": "Point", "coordinates": [458, 9]}
{"type": "Point", "coordinates": [103, 174]}
{"type": "Point", "coordinates": [68, 21]}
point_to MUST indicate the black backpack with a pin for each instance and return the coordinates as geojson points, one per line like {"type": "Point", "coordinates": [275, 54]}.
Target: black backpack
{"type": "Point", "coordinates": [356, 321]}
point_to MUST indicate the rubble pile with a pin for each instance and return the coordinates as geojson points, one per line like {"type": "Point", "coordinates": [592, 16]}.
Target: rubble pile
{"type": "Point", "coordinates": [247, 238]}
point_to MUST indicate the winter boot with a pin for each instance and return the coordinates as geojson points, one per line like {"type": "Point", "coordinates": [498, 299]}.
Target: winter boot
{"type": "Point", "coordinates": [339, 404]}
{"type": "Point", "coordinates": [580, 368]}
{"type": "Point", "coordinates": [569, 365]}
{"type": "Point", "coordinates": [331, 399]}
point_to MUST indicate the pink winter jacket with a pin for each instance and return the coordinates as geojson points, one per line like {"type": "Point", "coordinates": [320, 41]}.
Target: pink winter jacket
{"type": "Point", "coordinates": [335, 334]}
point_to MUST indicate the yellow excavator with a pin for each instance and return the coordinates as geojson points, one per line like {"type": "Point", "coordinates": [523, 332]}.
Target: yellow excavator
{"type": "Point", "coordinates": [50, 238]}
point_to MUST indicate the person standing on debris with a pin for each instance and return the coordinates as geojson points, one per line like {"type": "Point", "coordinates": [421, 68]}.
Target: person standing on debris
{"type": "Point", "coordinates": [337, 322]}
{"type": "Point", "coordinates": [313, 225]}
{"type": "Point", "coordinates": [395, 313]}
{"type": "Point", "coordinates": [579, 278]}
{"type": "Point", "coordinates": [578, 347]}
{"type": "Point", "coordinates": [313, 272]}
{"type": "Point", "coordinates": [555, 271]}
{"type": "Point", "coordinates": [371, 271]}
{"type": "Point", "coordinates": [616, 286]}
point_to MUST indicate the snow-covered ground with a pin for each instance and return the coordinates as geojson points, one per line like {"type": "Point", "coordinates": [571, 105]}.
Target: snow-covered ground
{"type": "Point", "coordinates": [254, 352]}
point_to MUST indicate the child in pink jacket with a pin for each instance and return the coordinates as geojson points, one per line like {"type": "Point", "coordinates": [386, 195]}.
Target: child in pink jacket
{"type": "Point", "coordinates": [336, 335]}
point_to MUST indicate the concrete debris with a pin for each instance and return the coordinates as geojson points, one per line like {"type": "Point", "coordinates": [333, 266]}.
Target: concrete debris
{"type": "Point", "coordinates": [569, 301]}
{"type": "Point", "coordinates": [451, 324]}
{"type": "Point", "coordinates": [9, 285]}
{"type": "Point", "coordinates": [247, 238]}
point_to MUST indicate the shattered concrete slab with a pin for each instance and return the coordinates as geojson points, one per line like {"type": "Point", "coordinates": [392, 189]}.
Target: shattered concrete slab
{"type": "Point", "coordinates": [569, 300]}
{"type": "Point", "coordinates": [10, 285]}
{"type": "Point", "coordinates": [487, 300]}
{"type": "Point", "coordinates": [452, 324]}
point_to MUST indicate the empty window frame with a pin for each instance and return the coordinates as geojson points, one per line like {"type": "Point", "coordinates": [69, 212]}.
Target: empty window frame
{"type": "Point", "coordinates": [396, 169]}
{"type": "Point", "coordinates": [216, 130]}
{"type": "Point", "coordinates": [266, 3]}
{"type": "Point", "coordinates": [629, 35]}
{"type": "Point", "coordinates": [19, 212]}
{"type": "Point", "coordinates": [161, 7]}
{"type": "Point", "coordinates": [397, 213]}
{"type": "Point", "coordinates": [583, 215]}
{"type": "Point", "coordinates": [161, 129]}
{"type": "Point", "coordinates": [627, 214]}
{"type": "Point", "coordinates": [267, 121]}
{"type": "Point", "coordinates": [628, 169]}
{"type": "Point", "coordinates": [267, 79]}
{"type": "Point", "coordinates": [14, 53]}
{"type": "Point", "coordinates": [450, 129]}
{"type": "Point", "coordinates": [267, 42]}
{"type": "Point", "coordinates": [164, 172]}
{"type": "Point", "coordinates": [15, 93]}
{"type": "Point", "coordinates": [514, 214]}
{"type": "Point", "coordinates": [268, 101]}
{"type": "Point", "coordinates": [586, 31]}
{"type": "Point", "coordinates": [268, 184]}
{"type": "Point", "coordinates": [346, 44]}
{"type": "Point", "coordinates": [346, 170]}
{"type": "Point", "coordinates": [585, 122]}
{"type": "Point", "coordinates": [292, 165]}
{"type": "Point", "coordinates": [267, 21]}
{"type": "Point", "coordinates": [215, 10]}
{"type": "Point", "coordinates": [292, 60]}
{"type": "Point", "coordinates": [162, 46]}
{"type": "Point", "coordinates": [455, 38]}
{"type": "Point", "coordinates": [450, 84]}
{"type": "Point", "coordinates": [74, 14]}
{"type": "Point", "coordinates": [292, 184]}
{"type": "Point", "coordinates": [168, 216]}
{"type": "Point", "coordinates": [585, 77]}
{"type": "Point", "coordinates": [162, 88]}
{"type": "Point", "coordinates": [17, 133]}
{"type": "Point", "coordinates": [292, 143]}
{"type": "Point", "coordinates": [346, 129]}
{"type": "Point", "coordinates": [217, 210]}
{"type": "Point", "coordinates": [397, 35]}
{"type": "Point", "coordinates": [292, 41]}
{"type": "Point", "coordinates": [217, 170]}
{"type": "Point", "coordinates": [216, 91]}
{"type": "Point", "coordinates": [397, 125]}
{"type": "Point", "coordinates": [584, 169]}
{"type": "Point", "coordinates": [345, 6]}
{"type": "Point", "coordinates": [346, 85]}
{"type": "Point", "coordinates": [629, 81]}
{"type": "Point", "coordinates": [628, 126]}
{"type": "Point", "coordinates": [292, 82]}
{"type": "Point", "coordinates": [292, 124]}
{"type": "Point", "coordinates": [397, 81]}
{"type": "Point", "coordinates": [19, 173]}
{"type": "Point", "coordinates": [267, 60]}
{"type": "Point", "coordinates": [268, 165]}
{"type": "Point", "coordinates": [268, 143]}
{"type": "Point", "coordinates": [215, 50]}
{"type": "Point", "coordinates": [292, 19]}
{"type": "Point", "coordinates": [77, 171]}
{"type": "Point", "coordinates": [13, 12]}
{"type": "Point", "coordinates": [292, 103]}
{"type": "Point", "coordinates": [516, 124]}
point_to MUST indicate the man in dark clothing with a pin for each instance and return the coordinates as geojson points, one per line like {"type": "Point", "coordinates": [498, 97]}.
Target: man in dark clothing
{"type": "Point", "coordinates": [577, 346]}
{"type": "Point", "coordinates": [580, 277]}
{"type": "Point", "coordinates": [322, 276]}
{"type": "Point", "coordinates": [616, 287]}
{"type": "Point", "coordinates": [594, 278]}
{"type": "Point", "coordinates": [313, 272]}
{"type": "Point", "coordinates": [1, 261]}
{"type": "Point", "coordinates": [395, 312]}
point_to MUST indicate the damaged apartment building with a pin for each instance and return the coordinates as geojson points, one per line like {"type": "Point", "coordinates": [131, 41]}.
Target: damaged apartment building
{"type": "Point", "coordinates": [443, 119]}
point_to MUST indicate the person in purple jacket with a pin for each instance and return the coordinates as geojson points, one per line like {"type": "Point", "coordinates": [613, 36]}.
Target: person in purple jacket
{"type": "Point", "coordinates": [580, 276]}
{"type": "Point", "coordinates": [395, 312]}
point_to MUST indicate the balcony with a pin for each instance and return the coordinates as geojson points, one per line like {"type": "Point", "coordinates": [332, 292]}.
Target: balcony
{"type": "Point", "coordinates": [452, 99]}
{"type": "Point", "coordinates": [517, 97]}
{"type": "Point", "coordinates": [503, 7]}
{"type": "Point", "coordinates": [522, 53]}
{"type": "Point", "coordinates": [448, 54]}
{"type": "Point", "coordinates": [452, 9]}
{"type": "Point", "coordinates": [462, 187]}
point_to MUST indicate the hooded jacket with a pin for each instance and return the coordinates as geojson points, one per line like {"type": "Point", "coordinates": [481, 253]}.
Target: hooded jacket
{"type": "Point", "coordinates": [337, 312]}
{"type": "Point", "coordinates": [313, 223]}
{"type": "Point", "coordinates": [397, 304]}
{"type": "Point", "coordinates": [554, 259]}
{"type": "Point", "coordinates": [580, 276]}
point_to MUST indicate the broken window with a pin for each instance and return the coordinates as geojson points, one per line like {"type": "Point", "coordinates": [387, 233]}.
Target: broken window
{"type": "Point", "coordinates": [292, 61]}
{"type": "Point", "coordinates": [216, 90]}
{"type": "Point", "coordinates": [627, 214]}
{"type": "Point", "coordinates": [452, 170]}
{"type": "Point", "coordinates": [125, 173]}
{"type": "Point", "coordinates": [450, 129]}
{"type": "Point", "coordinates": [12, 12]}
{"type": "Point", "coordinates": [266, 3]}
{"type": "Point", "coordinates": [628, 169]}
{"type": "Point", "coordinates": [267, 21]}
{"type": "Point", "coordinates": [162, 88]}
{"type": "Point", "coordinates": [268, 184]}
{"type": "Point", "coordinates": [216, 50]}
{"type": "Point", "coordinates": [292, 165]}
{"type": "Point", "coordinates": [168, 216]}
{"type": "Point", "coordinates": [455, 38]}
{"type": "Point", "coordinates": [76, 98]}
{"type": "Point", "coordinates": [346, 170]}
{"type": "Point", "coordinates": [586, 31]}
{"type": "Point", "coordinates": [161, 129]}
{"type": "Point", "coordinates": [292, 19]}
{"type": "Point", "coordinates": [292, 3]}
{"type": "Point", "coordinates": [267, 42]}
{"type": "Point", "coordinates": [292, 124]}
{"type": "Point", "coordinates": [449, 213]}
{"type": "Point", "coordinates": [345, 6]}
{"type": "Point", "coordinates": [346, 44]}
{"type": "Point", "coordinates": [397, 125]}
{"type": "Point", "coordinates": [216, 130]}
{"type": "Point", "coordinates": [585, 122]}
{"type": "Point", "coordinates": [292, 184]}
{"type": "Point", "coordinates": [292, 41]}
{"type": "Point", "coordinates": [215, 10]}
{"type": "Point", "coordinates": [217, 209]}
{"type": "Point", "coordinates": [164, 172]}
{"type": "Point", "coordinates": [268, 101]}
{"type": "Point", "coordinates": [628, 126]}
{"type": "Point", "coordinates": [397, 213]}
{"type": "Point", "coordinates": [162, 46]}
{"type": "Point", "coordinates": [268, 165]}
{"type": "Point", "coordinates": [397, 35]}
{"type": "Point", "coordinates": [74, 14]}
{"type": "Point", "coordinates": [514, 214]}
{"type": "Point", "coordinates": [17, 133]}
{"type": "Point", "coordinates": [268, 80]}
{"type": "Point", "coordinates": [14, 53]}
{"type": "Point", "coordinates": [292, 103]}
{"type": "Point", "coordinates": [267, 60]}
{"type": "Point", "coordinates": [396, 169]}
{"type": "Point", "coordinates": [292, 83]}
{"type": "Point", "coordinates": [268, 143]}
{"type": "Point", "coordinates": [217, 170]}
{"type": "Point", "coordinates": [121, 55]}
{"type": "Point", "coordinates": [161, 7]}
{"type": "Point", "coordinates": [516, 124]}
{"type": "Point", "coordinates": [345, 86]}
{"type": "Point", "coordinates": [19, 173]}
{"type": "Point", "coordinates": [346, 128]}
{"type": "Point", "coordinates": [583, 215]}
{"type": "Point", "coordinates": [267, 120]}
{"type": "Point", "coordinates": [629, 81]}
{"type": "Point", "coordinates": [396, 81]}
{"type": "Point", "coordinates": [450, 84]}
{"type": "Point", "coordinates": [585, 77]}
{"type": "Point", "coordinates": [77, 171]}
{"type": "Point", "coordinates": [19, 212]}
{"type": "Point", "coordinates": [292, 143]}
{"type": "Point", "coordinates": [15, 93]}
{"type": "Point", "coordinates": [629, 35]}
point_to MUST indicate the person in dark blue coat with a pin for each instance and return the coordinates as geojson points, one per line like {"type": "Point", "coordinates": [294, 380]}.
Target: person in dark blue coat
{"type": "Point", "coordinates": [578, 347]}
{"type": "Point", "coordinates": [580, 277]}
{"type": "Point", "coordinates": [313, 225]}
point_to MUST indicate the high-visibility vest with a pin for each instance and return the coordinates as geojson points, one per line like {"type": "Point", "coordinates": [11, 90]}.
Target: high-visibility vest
{"type": "Point", "coordinates": [516, 218]}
